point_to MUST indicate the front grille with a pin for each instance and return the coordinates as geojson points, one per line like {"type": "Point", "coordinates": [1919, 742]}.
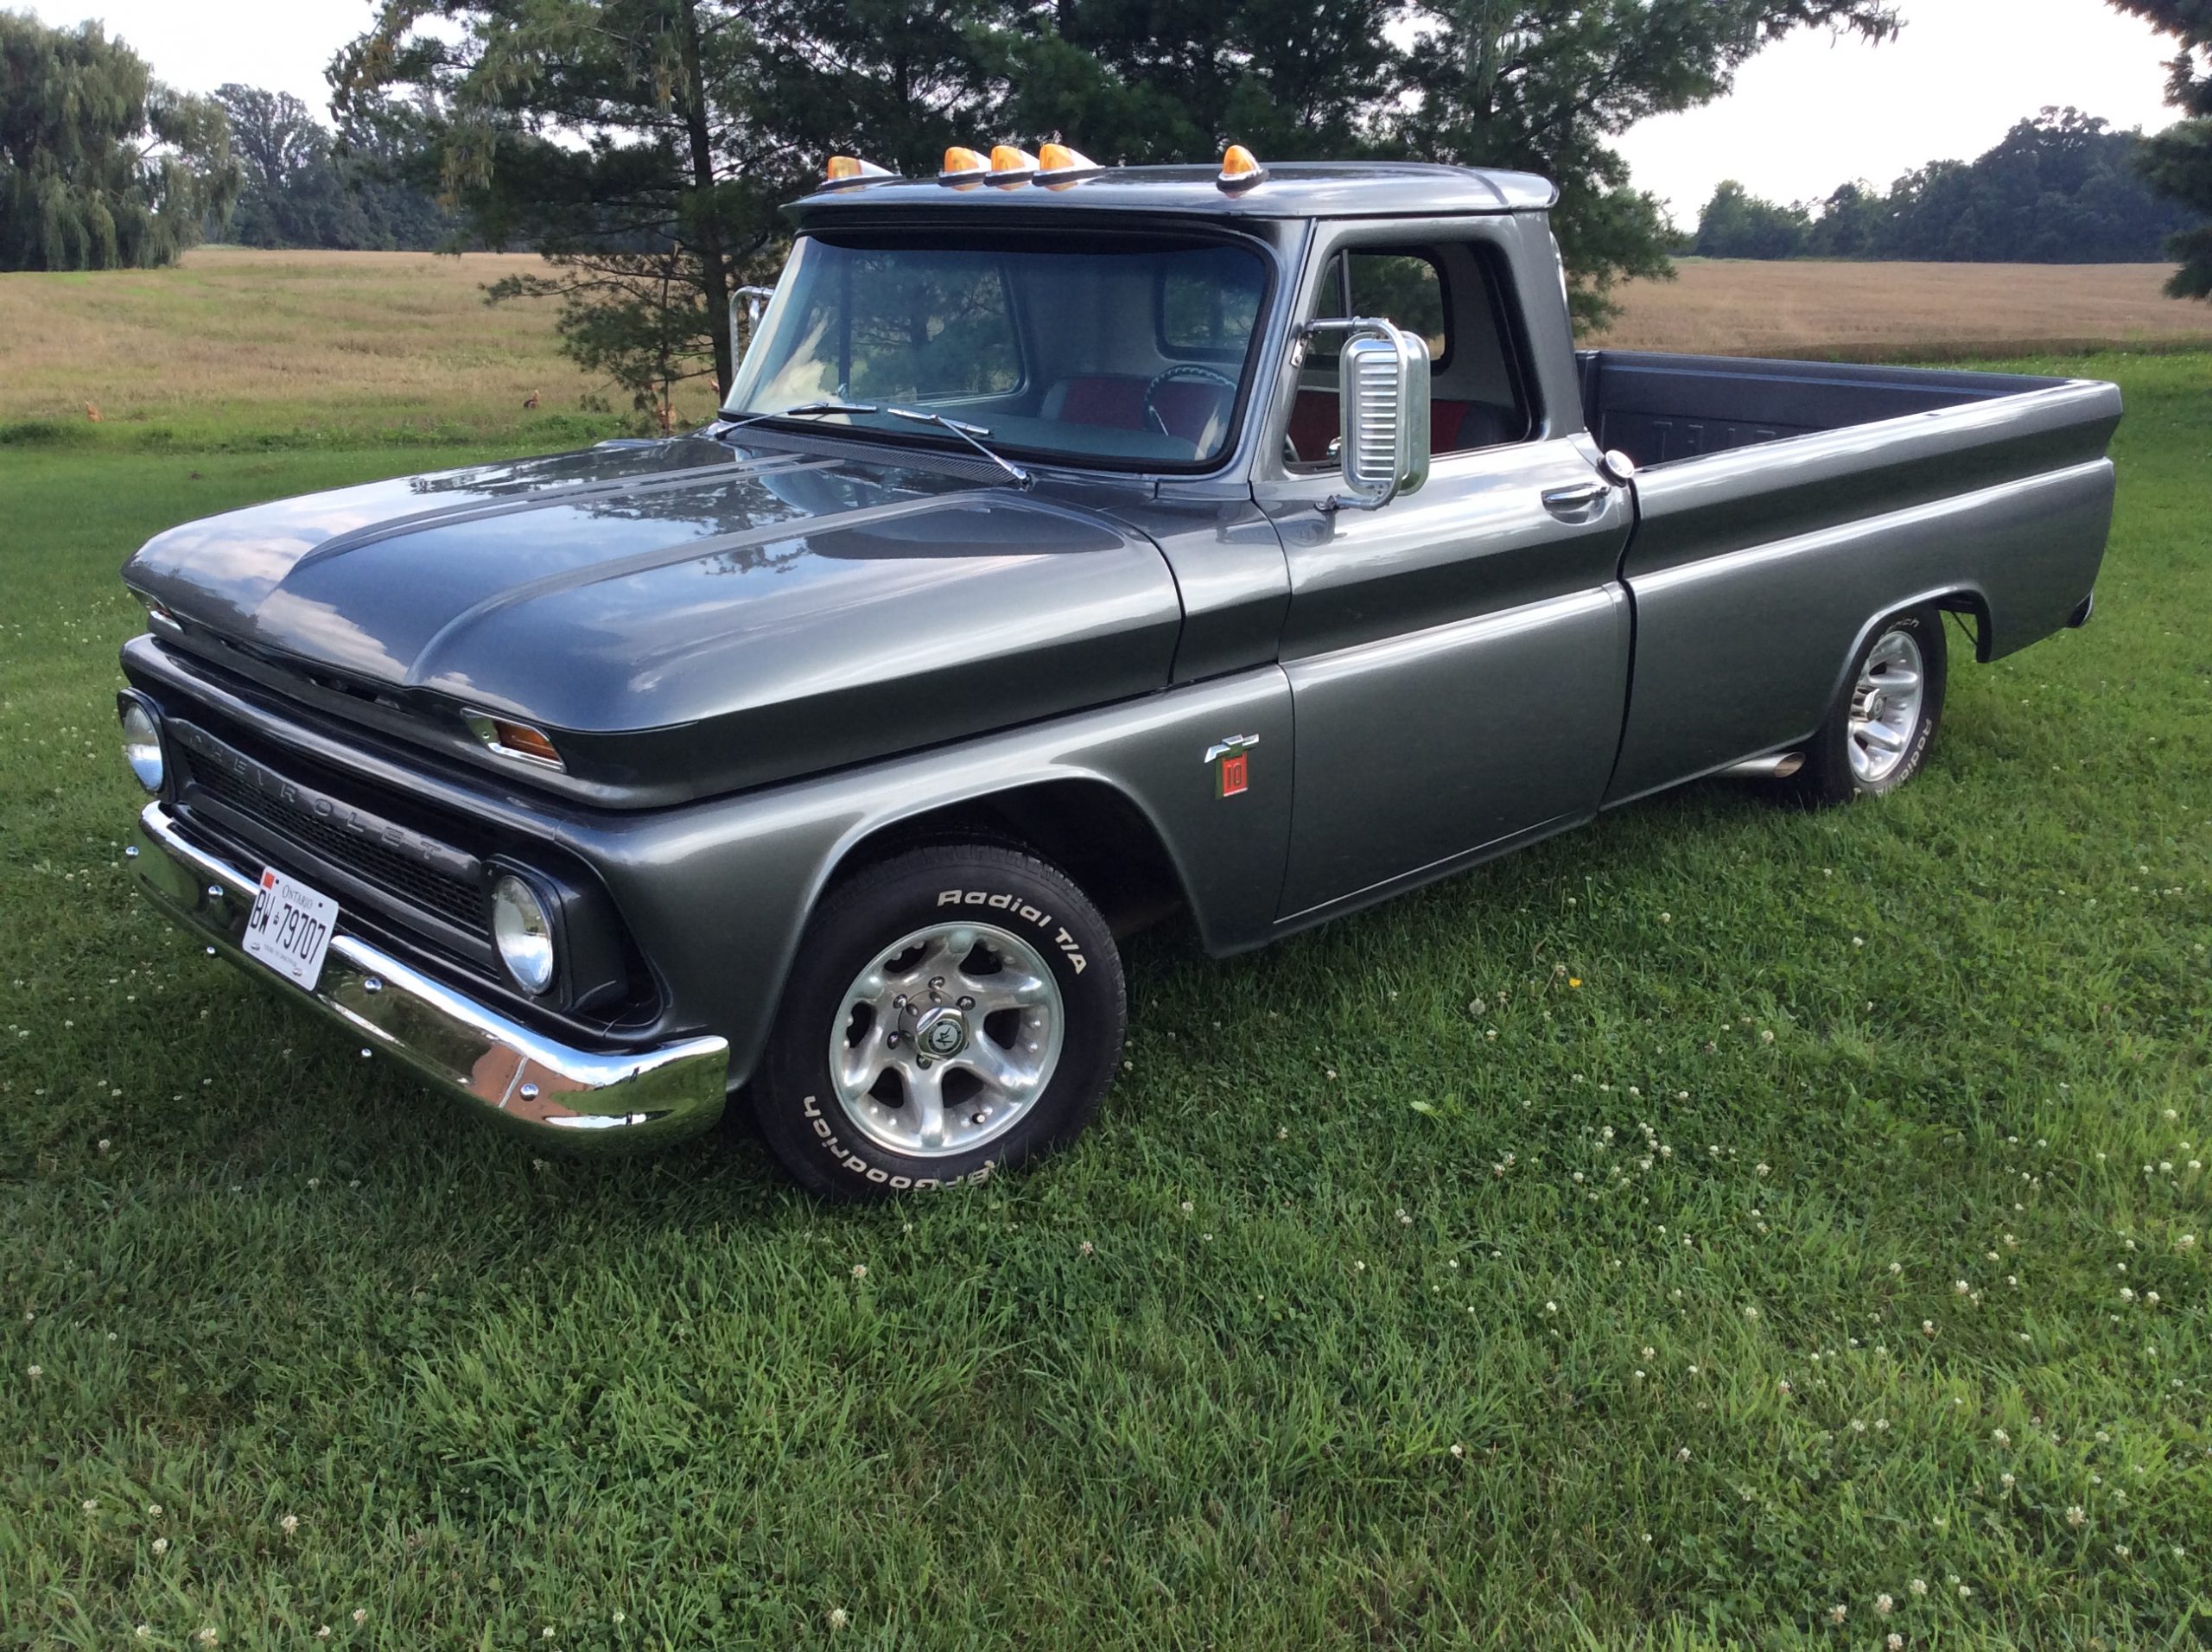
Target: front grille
{"type": "Point", "coordinates": [460, 901]}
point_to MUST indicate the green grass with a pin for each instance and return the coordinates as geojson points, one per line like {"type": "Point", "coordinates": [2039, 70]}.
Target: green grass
{"type": "Point", "coordinates": [1381, 1306]}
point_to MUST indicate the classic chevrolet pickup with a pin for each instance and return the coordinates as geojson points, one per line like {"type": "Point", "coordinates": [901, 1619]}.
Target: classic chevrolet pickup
{"type": "Point", "coordinates": [1075, 542]}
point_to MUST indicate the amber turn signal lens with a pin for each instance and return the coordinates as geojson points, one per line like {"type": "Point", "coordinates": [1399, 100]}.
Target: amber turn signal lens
{"type": "Point", "coordinates": [1005, 157]}
{"type": "Point", "coordinates": [510, 738]}
{"type": "Point", "coordinates": [522, 739]}
{"type": "Point", "coordinates": [1239, 166]}
{"type": "Point", "coordinates": [842, 166]}
{"type": "Point", "coordinates": [959, 162]}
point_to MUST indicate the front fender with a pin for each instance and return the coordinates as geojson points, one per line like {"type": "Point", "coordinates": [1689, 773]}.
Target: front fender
{"type": "Point", "coordinates": [717, 894]}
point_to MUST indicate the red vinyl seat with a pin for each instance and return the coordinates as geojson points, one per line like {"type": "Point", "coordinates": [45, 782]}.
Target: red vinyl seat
{"type": "Point", "coordinates": [1313, 425]}
{"type": "Point", "coordinates": [1116, 402]}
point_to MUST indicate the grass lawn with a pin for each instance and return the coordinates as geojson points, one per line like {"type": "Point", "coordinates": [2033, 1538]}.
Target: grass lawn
{"type": "Point", "coordinates": [1839, 1240]}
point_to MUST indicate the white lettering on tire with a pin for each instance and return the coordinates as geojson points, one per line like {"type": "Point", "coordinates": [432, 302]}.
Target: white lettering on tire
{"type": "Point", "coordinates": [860, 1167]}
{"type": "Point", "coordinates": [1012, 906]}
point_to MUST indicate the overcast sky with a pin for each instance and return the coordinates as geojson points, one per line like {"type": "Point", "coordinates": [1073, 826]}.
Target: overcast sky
{"type": "Point", "coordinates": [1805, 116]}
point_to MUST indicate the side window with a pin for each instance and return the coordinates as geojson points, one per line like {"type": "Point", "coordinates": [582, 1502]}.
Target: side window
{"type": "Point", "coordinates": [1209, 304]}
{"type": "Point", "coordinates": [931, 328]}
{"type": "Point", "coordinates": [1451, 295]}
{"type": "Point", "coordinates": [1408, 288]}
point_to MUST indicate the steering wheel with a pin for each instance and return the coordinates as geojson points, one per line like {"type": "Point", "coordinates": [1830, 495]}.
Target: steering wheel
{"type": "Point", "coordinates": [1185, 373]}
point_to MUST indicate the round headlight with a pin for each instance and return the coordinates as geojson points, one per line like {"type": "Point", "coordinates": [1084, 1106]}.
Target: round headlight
{"type": "Point", "coordinates": [524, 932]}
{"type": "Point", "coordinates": [142, 745]}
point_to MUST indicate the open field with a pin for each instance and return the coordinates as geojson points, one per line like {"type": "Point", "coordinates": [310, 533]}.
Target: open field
{"type": "Point", "coordinates": [337, 345]}
{"type": "Point", "coordinates": [1841, 1237]}
{"type": "Point", "coordinates": [323, 348]}
{"type": "Point", "coordinates": [1906, 311]}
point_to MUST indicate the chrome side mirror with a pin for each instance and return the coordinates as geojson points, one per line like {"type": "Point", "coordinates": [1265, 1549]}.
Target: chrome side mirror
{"type": "Point", "coordinates": [1382, 396]}
{"type": "Point", "coordinates": [747, 306]}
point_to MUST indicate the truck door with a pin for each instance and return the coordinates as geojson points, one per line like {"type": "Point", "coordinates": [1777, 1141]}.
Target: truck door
{"type": "Point", "coordinates": [1457, 659]}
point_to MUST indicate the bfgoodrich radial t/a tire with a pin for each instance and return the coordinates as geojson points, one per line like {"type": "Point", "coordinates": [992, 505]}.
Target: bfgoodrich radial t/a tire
{"type": "Point", "coordinates": [953, 1011]}
{"type": "Point", "coordinates": [1879, 735]}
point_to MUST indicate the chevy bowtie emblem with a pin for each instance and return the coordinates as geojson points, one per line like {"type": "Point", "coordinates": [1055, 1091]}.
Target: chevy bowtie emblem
{"type": "Point", "coordinates": [1231, 762]}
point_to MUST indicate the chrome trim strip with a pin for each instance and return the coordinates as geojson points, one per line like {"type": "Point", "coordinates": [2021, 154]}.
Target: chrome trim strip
{"type": "Point", "coordinates": [580, 1100]}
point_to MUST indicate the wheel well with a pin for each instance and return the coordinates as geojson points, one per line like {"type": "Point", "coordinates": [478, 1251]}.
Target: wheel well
{"type": "Point", "coordinates": [1973, 606]}
{"type": "Point", "coordinates": [1086, 827]}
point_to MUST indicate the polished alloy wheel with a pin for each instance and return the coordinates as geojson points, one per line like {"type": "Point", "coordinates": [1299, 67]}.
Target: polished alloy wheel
{"type": "Point", "coordinates": [946, 1038]}
{"type": "Point", "coordinates": [1885, 708]}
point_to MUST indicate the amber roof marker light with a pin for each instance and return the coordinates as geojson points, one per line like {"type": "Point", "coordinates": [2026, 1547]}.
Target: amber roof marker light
{"type": "Point", "coordinates": [963, 166]}
{"type": "Point", "coordinates": [1012, 165]}
{"type": "Point", "coordinates": [1240, 168]}
{"type": "Point", "coordinates": [847, 169]}
{"type": "Point", "coordinates": [1058, 164]}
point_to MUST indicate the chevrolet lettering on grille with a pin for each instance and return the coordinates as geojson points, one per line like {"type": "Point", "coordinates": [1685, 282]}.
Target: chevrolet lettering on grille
{"type": "Point", "coordinates": [333, 812]}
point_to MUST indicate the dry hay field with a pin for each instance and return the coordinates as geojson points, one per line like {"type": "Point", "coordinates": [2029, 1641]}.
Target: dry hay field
{"type": "Point", "coordinates": [1906, 311]}
{"type": "Point", "coordinates": [337, 347]}
{"type": "Point", "coordinates": [342, 342]}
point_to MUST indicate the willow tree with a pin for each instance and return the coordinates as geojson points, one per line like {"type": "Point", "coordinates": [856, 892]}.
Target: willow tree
{"type": "Point", "coordinates": [101, 166]}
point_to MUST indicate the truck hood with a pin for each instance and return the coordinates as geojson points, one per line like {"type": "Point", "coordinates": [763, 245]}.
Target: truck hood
{"type": "Point", "coordinates": [761, 613]}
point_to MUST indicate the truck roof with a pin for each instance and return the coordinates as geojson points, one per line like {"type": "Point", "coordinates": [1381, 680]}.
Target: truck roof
{"type": "Point", "coordinates": [1292, 189]}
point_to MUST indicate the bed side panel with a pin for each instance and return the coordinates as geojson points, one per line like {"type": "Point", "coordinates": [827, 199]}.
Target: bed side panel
{"type": "Point", "coordinates": [1755, 574]}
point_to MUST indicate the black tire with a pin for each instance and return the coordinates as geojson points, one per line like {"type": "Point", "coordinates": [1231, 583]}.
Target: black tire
{"type": "Point", "coordinates": [1830, 776]}
{"type": "Point", "coordinates": [801, 1116]}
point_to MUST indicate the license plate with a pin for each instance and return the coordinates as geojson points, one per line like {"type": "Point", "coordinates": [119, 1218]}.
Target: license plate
{"type": "Point", "coordinates": [290, 927]}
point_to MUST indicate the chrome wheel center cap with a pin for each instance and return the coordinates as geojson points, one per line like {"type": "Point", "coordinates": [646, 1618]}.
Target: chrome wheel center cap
{"type": "Point", "coordinates": [941, 1033]}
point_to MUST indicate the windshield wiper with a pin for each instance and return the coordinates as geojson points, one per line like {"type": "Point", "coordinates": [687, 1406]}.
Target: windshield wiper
{"type": "Point", "coordinates": [803, 410]}
{"type": "Point", "coordinates": [968, 434]}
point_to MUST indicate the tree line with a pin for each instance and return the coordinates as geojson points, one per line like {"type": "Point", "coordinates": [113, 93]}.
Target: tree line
{"type": "Point", "coordinates": [2062, 188]}
{"type": "Point", "coordinates": [102, 166]}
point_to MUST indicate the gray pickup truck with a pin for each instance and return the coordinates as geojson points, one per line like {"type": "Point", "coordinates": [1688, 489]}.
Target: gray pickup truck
{"type": "Point", "coordinates": [1074, 543]}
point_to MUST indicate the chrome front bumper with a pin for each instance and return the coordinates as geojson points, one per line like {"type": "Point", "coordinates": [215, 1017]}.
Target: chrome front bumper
{"type": "Point", "coordinates": [574, 1099]}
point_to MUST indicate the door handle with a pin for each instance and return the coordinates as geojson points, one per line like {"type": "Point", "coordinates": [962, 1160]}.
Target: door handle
{"type": "Point", "coordinates": [1581, 497]}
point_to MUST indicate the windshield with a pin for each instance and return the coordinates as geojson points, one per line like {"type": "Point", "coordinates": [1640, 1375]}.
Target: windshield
{"type": "Point", "coordinates": [1122, 350]}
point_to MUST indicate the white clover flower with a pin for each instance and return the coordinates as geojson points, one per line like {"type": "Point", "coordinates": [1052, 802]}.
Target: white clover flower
{"type": "Point", "coordinates": [160, 1546]}
{"type": "Point", "coordinates": [1883, 1604]}
{"type": "Point", "coordinates": [1894, 1641]}
{"type": "Point", "coordinates": [2001, 1437]}
{"type": "Point", "coordinates": [1919, 1585]}
{"type": "Point", "coordinates": [290, 1524]}
{"type": "Point", "coordinates": [1683, 1455]}
{"type": "Point", "coordinates": [837, 1619]}
{"type": "Point", "coordinates": [2076, 1516]}
{"type": "Point", "coordinates": [1837, 1613]}
{"type": "Point", "coordinates": [361, 1615]}
{"type": "Point", "coordinates": [860, 1270]}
